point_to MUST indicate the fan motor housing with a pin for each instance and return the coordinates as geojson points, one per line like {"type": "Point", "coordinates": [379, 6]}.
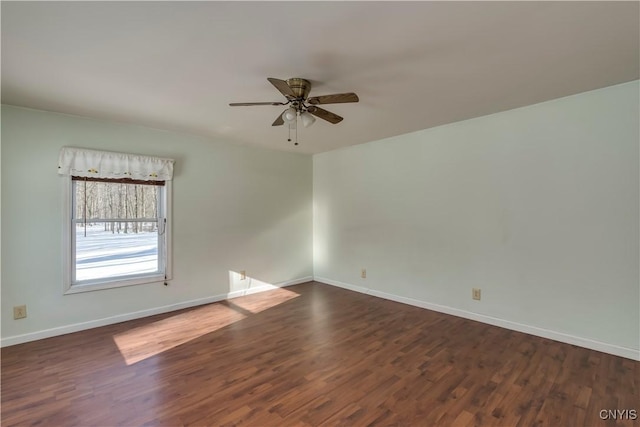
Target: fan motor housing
{"type": "Point", "coordinates": [300, 87]}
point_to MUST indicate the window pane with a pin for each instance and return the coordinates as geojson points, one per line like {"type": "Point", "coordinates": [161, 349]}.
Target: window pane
{"type": "Point", "coordinates": [106, 200]}
{"type": "Point", "coordinates": [112, 249]}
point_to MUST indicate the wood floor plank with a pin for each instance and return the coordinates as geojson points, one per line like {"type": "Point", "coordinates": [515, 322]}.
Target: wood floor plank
{"type": "Point", "coordinates": [311, 355]}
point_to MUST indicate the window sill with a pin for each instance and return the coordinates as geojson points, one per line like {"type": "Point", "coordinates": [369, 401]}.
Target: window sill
{"type": "Point", "coordinates": [116, 283]}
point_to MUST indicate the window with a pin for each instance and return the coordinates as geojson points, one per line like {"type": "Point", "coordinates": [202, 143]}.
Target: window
{"type": "Point", "coordinates": [117, 230]}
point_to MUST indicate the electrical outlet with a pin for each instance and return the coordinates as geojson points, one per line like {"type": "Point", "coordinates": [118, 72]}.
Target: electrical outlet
{"type": "Point", "coordinates": [476, 293]}
{"type": "Point", "coordinates": [19, 311]}
{"type": "Point", "coordinates": [363, 273]}
{"type": "Point", "coordinates": [243, 275]}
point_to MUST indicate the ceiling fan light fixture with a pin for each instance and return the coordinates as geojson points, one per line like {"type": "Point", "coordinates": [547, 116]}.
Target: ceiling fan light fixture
{"type": "Point", "coordinates": [307, 119]}
{"type": "Point", "coordinates": [290, 114]}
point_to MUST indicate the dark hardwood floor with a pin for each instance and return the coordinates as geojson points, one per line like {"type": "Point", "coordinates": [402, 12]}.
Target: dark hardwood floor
{"type": "Point", "coordinates": [312, 355]}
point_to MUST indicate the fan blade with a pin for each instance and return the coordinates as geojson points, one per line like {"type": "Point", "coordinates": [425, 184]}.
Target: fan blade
{"type": "Point", "coordinates": [279, 121]}
{"type": "Point", "coordinates": [244, 104]}
{"type": "Point", "coordinates": [336, 98]}
{"type": "Point", "coordinates": [282, 86]}
{"type": "Point", "coordinates": [325, 115]}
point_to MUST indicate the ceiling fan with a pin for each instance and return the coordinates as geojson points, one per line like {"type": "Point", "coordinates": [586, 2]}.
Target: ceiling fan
{"type": "Point", "coordinates": [296, 90]}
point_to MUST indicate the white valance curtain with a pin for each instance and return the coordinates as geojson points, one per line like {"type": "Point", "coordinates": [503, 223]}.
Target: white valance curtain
{"type": "Point", "coordinates": [104, 164]}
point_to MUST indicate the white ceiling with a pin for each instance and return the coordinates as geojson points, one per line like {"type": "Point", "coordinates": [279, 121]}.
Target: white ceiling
{"type": "Point", "coordinates": [415, 65]}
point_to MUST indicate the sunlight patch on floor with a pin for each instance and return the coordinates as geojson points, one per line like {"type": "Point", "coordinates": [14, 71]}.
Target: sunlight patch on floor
{"type": "Point", "coordinates": [149, 340]}
{"type": "Point", "coordinates": [256, 304]}
{"type": "Point", "coordinates": [241, 285]}
{"type": "Point", "coordinates": [157, 337]}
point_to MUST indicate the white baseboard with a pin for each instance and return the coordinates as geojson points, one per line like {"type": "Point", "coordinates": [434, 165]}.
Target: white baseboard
{"type": "Point", "coordinates": [61, 330]}
{"type": "Point", "coordinates": [628, 353]}
{"type": "Point", "coordinates": [343, 285]}
{"type": "Point", "coordinates": [262, 286]}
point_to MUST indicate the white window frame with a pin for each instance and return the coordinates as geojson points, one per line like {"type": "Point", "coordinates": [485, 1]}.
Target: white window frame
{"type": "Point", "coordinates": [68, 250]}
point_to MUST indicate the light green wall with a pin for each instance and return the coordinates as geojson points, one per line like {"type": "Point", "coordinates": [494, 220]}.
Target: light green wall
{"type": "Point", "coordinates": [536, 206]}
{"type": "Point", "coordinates": [234, 208]}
